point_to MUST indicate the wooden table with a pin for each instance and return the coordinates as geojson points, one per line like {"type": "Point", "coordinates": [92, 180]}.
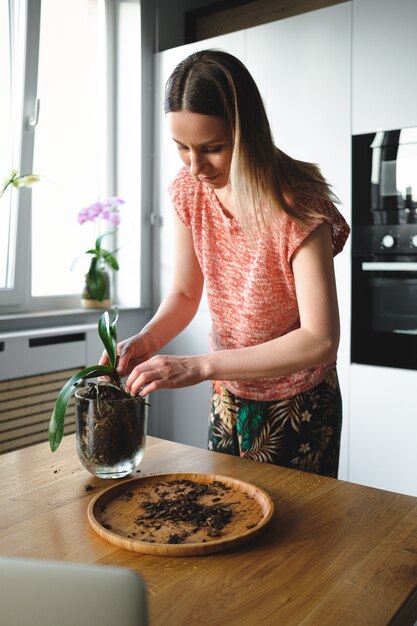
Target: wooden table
{"type": "Point", "coordinates": [334, 552]}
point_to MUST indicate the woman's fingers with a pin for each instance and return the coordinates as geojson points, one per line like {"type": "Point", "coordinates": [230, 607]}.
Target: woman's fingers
{"type": "Point", "coordinates": [162, 371]}
{"type": "Point", "coordinates": [141, 378]}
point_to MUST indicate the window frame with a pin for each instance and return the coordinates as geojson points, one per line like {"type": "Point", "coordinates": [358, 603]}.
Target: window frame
{"type": "Point", "coordinates": [24, 61]}
{"type": "Point", "coordinates": [18, 299]}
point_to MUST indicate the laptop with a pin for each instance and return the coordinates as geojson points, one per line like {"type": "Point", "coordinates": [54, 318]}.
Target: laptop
{"type": "Point", "coordinates": [55, 593]}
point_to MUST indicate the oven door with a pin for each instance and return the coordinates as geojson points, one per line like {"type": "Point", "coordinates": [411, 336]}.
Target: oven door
{"type": "Point", "coordinates": [384, 313]}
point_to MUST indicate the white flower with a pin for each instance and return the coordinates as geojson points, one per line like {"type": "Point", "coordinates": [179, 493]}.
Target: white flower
{"type": "Point", "coordinates": [10, 177]}
{"type": "Point", "coordinates": [28, 181]}
{"type": "Point", "coordinates": [305, 416]}
{"type": "Point", "coordinates": [16, 181]}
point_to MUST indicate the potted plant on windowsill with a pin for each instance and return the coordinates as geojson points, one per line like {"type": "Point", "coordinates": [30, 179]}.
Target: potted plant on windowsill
{"type": "Point", "coordinates": [97, 292]}
{"type": "Point", "coordinates": [110, 423]}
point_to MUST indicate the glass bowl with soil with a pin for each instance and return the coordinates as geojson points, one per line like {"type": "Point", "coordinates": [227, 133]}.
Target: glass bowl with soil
{"type": "Point", "coordinates": [111, 430]}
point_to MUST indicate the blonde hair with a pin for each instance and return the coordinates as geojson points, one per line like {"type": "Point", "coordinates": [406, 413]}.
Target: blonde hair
{"type": "Point", "coordinates": [265, 181]}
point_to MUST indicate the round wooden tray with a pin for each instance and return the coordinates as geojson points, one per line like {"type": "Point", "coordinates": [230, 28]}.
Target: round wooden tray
{"type": "Point", "coordinates": [119, 516]}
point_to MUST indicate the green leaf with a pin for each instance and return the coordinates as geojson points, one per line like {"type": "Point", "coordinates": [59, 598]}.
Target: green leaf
{"type": "Point", "coordinates": [113, 328]}
{"type": "Point", "coordinates": [101, 237]}
{"type": "Point", "coordinates": [108, 335]}
{"type": "Point", "coordinates": [56, 423]}
{"type": "Point", "coordinates": [109, 259]}
{"type": "Point", "coordinates": [4, 188]}
{"type": "Point", "coordinates": [96, 281]}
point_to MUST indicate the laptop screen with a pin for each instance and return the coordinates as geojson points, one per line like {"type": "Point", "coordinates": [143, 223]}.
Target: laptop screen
{"type": "Point", "coordinates": [46, 593]}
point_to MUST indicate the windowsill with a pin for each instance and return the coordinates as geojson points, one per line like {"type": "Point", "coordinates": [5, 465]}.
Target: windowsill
{"type": "Point", "coordinates": [11, 322]}
{"type": "Point", "coordinates": [58, 312]}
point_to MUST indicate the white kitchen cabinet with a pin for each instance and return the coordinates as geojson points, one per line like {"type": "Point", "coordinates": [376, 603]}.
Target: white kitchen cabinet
{"type": "Point", "coordinates": [383, 428]}
{"type": "Point", "coordinates": [383, 419]}
{"type": "Point", "coordinates": [302, 68]}
{"type": "Point", "coordinates": [343, 370]}
{"type": "Point", "coordinates": [166, 158]}
{"type": "Point", "coordinates": [384, 65]}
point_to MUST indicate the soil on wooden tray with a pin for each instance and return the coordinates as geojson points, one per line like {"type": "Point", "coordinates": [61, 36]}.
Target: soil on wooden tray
{"type": "Point", "coordinates": [185, 507]}
{"type": "Point", "coordinates": [112, 432]}
{"type": "Point", "coordinates": [179, 511]}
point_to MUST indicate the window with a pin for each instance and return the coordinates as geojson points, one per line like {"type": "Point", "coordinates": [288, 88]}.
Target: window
{"type": "Point", "coordinates": [8, 57]}
{"type": "Point", "coordinates": [72, 124]}
{"type": "Point", "coordinates": [60, 63]}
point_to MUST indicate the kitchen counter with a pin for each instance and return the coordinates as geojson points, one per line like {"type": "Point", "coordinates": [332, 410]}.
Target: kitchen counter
{"type": "Point", "coordinates": [334, 553]}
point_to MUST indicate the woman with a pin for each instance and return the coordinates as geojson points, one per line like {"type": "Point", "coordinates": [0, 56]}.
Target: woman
{"type": "Point", "coordinates": [259, 229]}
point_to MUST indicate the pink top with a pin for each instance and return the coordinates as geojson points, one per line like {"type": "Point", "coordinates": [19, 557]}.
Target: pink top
{"type": "Point", "coordinates": [249, 282]}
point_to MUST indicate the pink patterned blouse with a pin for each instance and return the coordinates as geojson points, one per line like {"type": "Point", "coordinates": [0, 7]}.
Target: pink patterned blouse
{"type": "Point", "coordinates": [249, 283]}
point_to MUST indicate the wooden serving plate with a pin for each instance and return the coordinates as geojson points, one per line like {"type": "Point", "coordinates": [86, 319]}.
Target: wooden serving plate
{"type": "Point", "coordinates": [133, 513]}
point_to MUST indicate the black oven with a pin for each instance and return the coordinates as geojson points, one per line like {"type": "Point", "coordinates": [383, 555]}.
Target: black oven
{"type": "Point", "coordinates": [384, 248]}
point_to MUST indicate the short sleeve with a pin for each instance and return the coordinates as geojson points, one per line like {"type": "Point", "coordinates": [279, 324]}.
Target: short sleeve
{"type": "Point", "coordinates": [339, 228]}
{"type": "Point", "coordinates": [182, 192]}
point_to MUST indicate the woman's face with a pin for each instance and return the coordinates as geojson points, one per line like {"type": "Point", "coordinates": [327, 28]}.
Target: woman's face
{"type": "Point", "coordinates": [204, 145]}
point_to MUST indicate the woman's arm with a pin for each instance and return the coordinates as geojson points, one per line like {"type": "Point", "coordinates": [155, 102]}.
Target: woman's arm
{"type": "Point", "coordinates": [175, 312]}
{"type": "Point", "coordinates": [314, 343]}
{"type": "Point", "coordinates": [180, 306]}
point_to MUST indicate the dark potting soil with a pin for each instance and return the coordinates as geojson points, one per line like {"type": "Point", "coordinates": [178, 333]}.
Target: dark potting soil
{"type": "Point", "coordinates": [179, 501]}
{"type": "Point", "coordinates": [111, 432]}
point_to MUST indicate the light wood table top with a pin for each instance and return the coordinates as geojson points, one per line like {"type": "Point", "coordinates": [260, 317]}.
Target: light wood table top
{"type": "Point", "coordinates": [335, 553]}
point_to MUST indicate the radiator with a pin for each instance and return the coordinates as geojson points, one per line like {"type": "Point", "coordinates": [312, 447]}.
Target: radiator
{"type": "Point", "coordinates": [26, 405]}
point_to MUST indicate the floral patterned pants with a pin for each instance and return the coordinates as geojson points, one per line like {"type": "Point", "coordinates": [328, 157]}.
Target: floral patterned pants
{"type": "Point", "coordinates": [302, 432]}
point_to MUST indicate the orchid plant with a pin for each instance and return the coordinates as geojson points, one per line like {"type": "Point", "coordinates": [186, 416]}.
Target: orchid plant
{"type": "Point", "coordinates": [107, 212]}
{"type": "Point", "coordinates": [17, 180]}
{"type": "Point", "coordinates": [108, 335]}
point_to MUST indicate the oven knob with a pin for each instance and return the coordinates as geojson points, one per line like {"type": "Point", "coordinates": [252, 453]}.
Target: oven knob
{"type": "Point", "coordinates": [388, 241]}
{"type": "Point", "coordinates": [414, 241]}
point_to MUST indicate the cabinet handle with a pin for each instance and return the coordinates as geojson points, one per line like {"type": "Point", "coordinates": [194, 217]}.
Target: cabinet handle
{"type": "Point", "coordinates": [36, 342]}
{"type": "Point", "coordinates": [32, 120]}
{"type": "Point", "coordinates": [393, 266]}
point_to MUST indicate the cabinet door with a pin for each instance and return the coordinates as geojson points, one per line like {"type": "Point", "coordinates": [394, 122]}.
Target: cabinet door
{"type": "Point", "coordinates": [166, 159]}
{"type": "Point", "coordinates": [384, 65]}
{"type": "Point", "coordinates": [383, 428]}
{"type": "Point", "coordinates": [302, 68]}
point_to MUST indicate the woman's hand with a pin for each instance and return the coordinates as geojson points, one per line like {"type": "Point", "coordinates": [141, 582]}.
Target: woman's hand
{"type": "Point", "coordinates": [130, 353]}
{"type": "Point", "coordinates": [164, 371]}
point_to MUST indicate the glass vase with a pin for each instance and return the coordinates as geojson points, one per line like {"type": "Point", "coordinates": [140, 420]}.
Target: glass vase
{"type": "Point", "coordinates": [88, 300]}
{"type": "Point", "coordinates": [111, 434]}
